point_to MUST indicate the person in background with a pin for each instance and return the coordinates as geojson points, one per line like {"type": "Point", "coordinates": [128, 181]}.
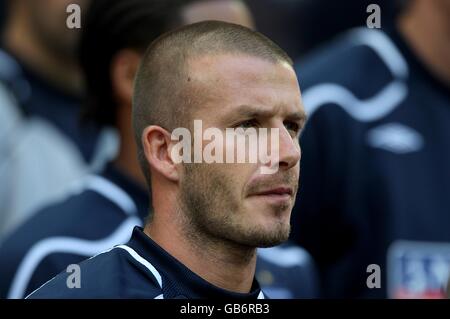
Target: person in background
{"type": "Point", "coordinates": [37, 37]}
{"type": "Point", "coordinates": [293, 24]}
{"type": "Point", "coordinates": [373, 208]}
{"type": "Point", "coordinates": [43, 146]}
{"type": "Point", "coordinates": [106, 206]}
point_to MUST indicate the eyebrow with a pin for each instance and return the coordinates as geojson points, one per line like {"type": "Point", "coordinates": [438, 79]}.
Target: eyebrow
{"type": "Point", "coordinates": [298, 117]}
{"type": "Point", "coordinates": [253, 111]}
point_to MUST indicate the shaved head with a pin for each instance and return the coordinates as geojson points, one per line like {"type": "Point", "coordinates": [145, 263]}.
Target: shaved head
{"type": "Point", "coordinates": [165, 94]}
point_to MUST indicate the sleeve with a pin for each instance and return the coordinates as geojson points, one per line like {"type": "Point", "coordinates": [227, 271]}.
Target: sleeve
{"type": "Point", "coordinates": [23, 273]}
{"type": "Point", "coordinates": [26, 262]}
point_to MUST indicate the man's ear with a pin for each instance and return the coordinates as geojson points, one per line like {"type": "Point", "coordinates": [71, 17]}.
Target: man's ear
{"type": "Point", "coordinates": [124, 66]}
{"type": "Point", "coordinates": [157, 146]}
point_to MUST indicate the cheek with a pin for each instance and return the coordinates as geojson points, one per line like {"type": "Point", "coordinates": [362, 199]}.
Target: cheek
{"type": "Point", "coordinates": [234, 178]}
{"type": "Point", "coordinates": [245, 173]}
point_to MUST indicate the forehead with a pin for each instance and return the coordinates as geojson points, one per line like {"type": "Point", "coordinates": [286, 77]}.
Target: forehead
{"type": "Point", "coordinates": [232, 80]}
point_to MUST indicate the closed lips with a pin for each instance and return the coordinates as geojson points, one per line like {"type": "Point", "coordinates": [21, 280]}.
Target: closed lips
{"type": "Point", "coordinates": [276, 191]}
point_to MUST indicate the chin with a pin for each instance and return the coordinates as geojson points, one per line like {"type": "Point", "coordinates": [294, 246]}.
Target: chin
{"type": "Point", "coordinates": [271, 241]}
{"type": "Point", "coordinates": [264, 225]}
{"type": "Point", "coordinates": [269, 234]}
{"type": "Point", "coordinates": [278, 216]}
{"type": "Point", "coordinates": [271, 211]}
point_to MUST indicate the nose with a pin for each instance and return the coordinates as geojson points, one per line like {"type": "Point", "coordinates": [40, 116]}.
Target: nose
{"type": "Point", "coordinates": [285, 151]}
{"type": "Point", "coordinates": [289, 151]}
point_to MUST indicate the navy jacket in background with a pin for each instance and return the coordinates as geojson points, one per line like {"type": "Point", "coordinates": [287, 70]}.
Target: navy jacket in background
{"type": "Point", "coordinates": [375, 170]}
{"type": "Point", "coordinates": [39, 98]}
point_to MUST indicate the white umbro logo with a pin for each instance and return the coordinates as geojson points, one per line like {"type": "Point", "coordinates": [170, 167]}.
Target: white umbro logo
{"type": "Point", "coordinates": [396, 138]}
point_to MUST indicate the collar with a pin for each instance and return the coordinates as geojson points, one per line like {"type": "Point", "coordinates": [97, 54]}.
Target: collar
{"type": "Point", "coordinates": [179, 282]}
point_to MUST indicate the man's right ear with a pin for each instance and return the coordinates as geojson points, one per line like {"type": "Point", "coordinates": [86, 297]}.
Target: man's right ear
{"type": "Point", "coordinates": [156, 143]}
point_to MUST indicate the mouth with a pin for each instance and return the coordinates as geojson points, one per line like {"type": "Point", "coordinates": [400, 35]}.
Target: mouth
{"type": "Point", "coordinates": [278, 194]}
{"type": "Point", "coordinates": [277, 191]}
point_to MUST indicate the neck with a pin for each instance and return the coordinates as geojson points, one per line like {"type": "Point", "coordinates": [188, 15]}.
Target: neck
{"type": "Point", "coordinates": [223, 264]}
{"type": "Point", "coordinates": [60, 71]}
{"type": "Point", "coordinates": [426, 28]}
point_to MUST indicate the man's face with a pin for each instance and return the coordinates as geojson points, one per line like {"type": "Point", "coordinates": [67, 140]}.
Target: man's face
{"type": "Point", "coordinates": [49, 17]}
{"type": "Point", "coordinates": [236, 202]}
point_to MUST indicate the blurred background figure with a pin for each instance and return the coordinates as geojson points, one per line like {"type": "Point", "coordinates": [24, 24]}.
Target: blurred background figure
{"type": "Point", "coordinates": [35, 33]}
{"type": "Point", "coordinates": [299, 26]}
{"type": "Point", "coordinates": [106, 207]}
{"type": "Point", "coordinates": [43, 146]}
{"type": "Point", "coordinates": [375, 157]}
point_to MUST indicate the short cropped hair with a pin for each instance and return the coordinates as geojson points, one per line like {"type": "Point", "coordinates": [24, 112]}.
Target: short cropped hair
{"type": "Point", "coordinates": [159, 97]}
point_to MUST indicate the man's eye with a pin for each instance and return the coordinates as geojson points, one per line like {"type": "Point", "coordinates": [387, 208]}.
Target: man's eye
{"type": "Point", "coordinates": [248, 124]}
{"type": "Point", "coordinates": [292, 127]}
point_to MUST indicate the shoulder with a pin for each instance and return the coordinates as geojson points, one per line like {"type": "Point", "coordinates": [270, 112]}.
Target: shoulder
{"type": "Point", "coordinates": [112, 274]}
{"type": "Point", "coordinates": [350, 56]}
{"type": "Point", "coordinates": [50, 240]}
{"type": "Point", "coordinates": [362, 72]}
{"type": "Point", "coordinates": [86, 207]}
